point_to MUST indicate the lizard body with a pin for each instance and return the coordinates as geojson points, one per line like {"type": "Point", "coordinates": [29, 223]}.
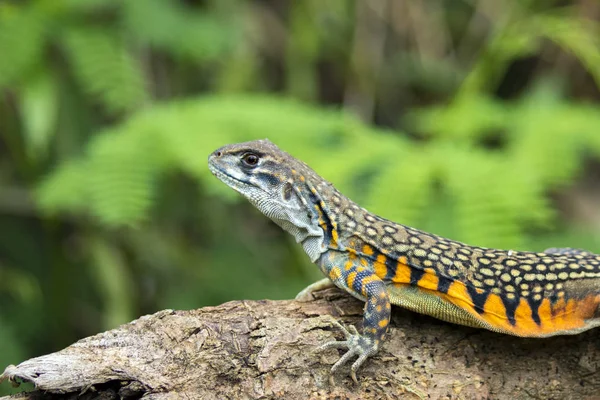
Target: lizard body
{"type": "Point", "coordinates": [381, 262]}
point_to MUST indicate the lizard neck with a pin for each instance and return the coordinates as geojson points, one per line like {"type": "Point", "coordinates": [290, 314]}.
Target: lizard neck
{"type": "Point", "coordinates": [317, 228]}
{"type": "Point", "coordinates": [306, 217]}
{"type": "Point", "coordinates": [311, 237]}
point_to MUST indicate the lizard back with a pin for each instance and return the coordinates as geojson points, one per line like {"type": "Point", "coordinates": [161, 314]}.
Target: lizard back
{"type": "Point", "coordinates": [519, 293]}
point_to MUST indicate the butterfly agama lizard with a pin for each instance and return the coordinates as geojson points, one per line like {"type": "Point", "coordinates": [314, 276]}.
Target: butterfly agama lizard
{"type": "Point", "coordinates": [381, 262]}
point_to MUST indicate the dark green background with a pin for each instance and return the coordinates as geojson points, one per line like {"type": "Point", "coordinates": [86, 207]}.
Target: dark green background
{"type": "Point", "coordinates": [477, 120]}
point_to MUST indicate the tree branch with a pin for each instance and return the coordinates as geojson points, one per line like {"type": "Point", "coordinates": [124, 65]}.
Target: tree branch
{"type": "Point", "coordinates": [265, 349]}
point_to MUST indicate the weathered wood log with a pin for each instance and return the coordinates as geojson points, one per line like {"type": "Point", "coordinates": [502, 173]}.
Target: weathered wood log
{"type": "Point", "coordinates": [266, 349]}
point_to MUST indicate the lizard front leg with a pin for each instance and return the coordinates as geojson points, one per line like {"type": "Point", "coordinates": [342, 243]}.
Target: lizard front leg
{"type": "Point", "coordinates": [306, 293]}
{"type": "Point", "coordinates": [363, 283]}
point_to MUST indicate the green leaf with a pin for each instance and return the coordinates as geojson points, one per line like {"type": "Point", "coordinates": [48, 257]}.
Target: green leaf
{"type": "Point", "coordinates": [39, 102]}
{"type": "Point", "coordinates": [105, 69]}
{"type": "Point", "coordinates": [402, 189]}
{"type": "Point", "coordinates": [170, 26]}
{"type": "Point", "coordinates": [64, 190]}
{"type": "Point", "coordinates": [21, 41]}
{"type": "Point", "coordinates": [576, 35]}
{"type": "Point", "coordinates": [20, 285]}
{"type": "Point", "coordinates": [113, 282]}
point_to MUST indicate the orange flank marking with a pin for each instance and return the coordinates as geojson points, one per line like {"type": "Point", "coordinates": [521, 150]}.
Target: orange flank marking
{"type": "Point", "coordinates": [383, 323]}
{"type": "Point", "coordinates": [545, 311]}
{"type": "Point", "coordinates": [364, 262]}
{"type": "Point", "coordinates": [523, 318]}
{"type": "Point", "coordinates": [350, 279]}
{"type": "Point", "coordinates": [367, 250]}
{"type": "Point", "coordinates": [457, 294]}
{"type": "Point", "coordinates": [380, 267]}
{"type": "Point", "coordinates": [495, 312]}
{"type": "Point", "coordinates": [571, 306]}
{"type": "Point", "coordinates": [429, 280]}
{"type": "Point", "coordinates": [402, 274]}
{"type": "Point", "coordinates": [563, 316]}
{"type": "Point", "coordinates": [403, 260]}
{"type": "Point", "coordinates": [567, 315]}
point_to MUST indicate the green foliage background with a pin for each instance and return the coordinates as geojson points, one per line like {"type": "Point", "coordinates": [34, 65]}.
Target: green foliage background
{"type": "Point", "coordinates": [474, 120]}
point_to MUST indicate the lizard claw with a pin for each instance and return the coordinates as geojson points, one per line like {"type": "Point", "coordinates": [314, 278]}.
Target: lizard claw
{"type": "Point", "coordinates": [357, 345]}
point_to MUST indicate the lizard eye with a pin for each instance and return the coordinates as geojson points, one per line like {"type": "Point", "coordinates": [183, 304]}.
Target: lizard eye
{"type": "Point", "coordinates": [250, 159]}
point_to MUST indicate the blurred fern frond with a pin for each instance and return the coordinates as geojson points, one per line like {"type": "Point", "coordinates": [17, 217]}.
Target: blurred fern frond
{"type": "Point", "coordinates": [523, 35]}
{"type": "Point", "coordinates": [168, 26]}
{"type": "Point", "coordinates": [105, 69]}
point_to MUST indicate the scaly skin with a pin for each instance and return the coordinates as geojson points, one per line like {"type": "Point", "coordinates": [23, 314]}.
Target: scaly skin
{"type": "Point", "coordinates": [381, 262]}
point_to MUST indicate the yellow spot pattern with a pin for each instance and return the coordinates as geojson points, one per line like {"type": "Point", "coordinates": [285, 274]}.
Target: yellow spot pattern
{"type": "Point", "coordinates": [429, 281]}
{"type": "Point", "coordinates": [335, 273]}
{"type": "Point", "coordinates": [350, 279]}
{"type": "Point", "coordinates": [402, 274]}
{"type": "Point", "coordinates": [380, 267]}
{"type": "Point", "coordinates": [334, 236]}
{"type": "Point", "coordinates": [383, 323]}
{"type": "Point", "coordinates": [365, 282]}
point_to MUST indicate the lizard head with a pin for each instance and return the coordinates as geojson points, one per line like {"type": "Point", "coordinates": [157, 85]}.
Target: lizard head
{"type": "Point", "coordinates": [259, 170]}
{"type": "Point", "coordinates": [275, 183]}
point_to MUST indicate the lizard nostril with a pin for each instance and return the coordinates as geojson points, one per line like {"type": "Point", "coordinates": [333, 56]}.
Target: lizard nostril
{"type": "Point", "coordinates": [218, 154]}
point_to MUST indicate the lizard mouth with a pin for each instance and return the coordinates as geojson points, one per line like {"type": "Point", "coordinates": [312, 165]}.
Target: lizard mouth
{"type": "Point", "coordinates": [226, 178]}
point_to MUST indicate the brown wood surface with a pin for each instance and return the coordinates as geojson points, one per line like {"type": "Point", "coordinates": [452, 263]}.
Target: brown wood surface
{"type": "Point", "coordinates": [265, 349]}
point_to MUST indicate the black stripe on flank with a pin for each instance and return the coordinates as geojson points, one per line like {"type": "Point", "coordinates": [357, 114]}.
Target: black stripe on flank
{"type": "Point", "coordinates": [328, 224]}
{"type": "Point", "coordinates": [479, 299]}
{"type": "Point", "coordinates": [535, 306]}
{"type": "Point", "coordinates": [415, 275]}
{"type": "Point", "coordinates": [511, 308]}
{"type": "Point", "coordinates": [444, 284]}
{"type": "Point", "coordinates": [391, 265]}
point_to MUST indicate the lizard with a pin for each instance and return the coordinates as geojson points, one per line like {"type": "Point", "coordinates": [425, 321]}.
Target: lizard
{"type": "Point", "coordinates": [527, 294]}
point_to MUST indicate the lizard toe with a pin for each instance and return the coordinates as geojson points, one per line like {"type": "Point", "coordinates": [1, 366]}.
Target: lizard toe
{"type": "Point", "coordinates": [357, 345]}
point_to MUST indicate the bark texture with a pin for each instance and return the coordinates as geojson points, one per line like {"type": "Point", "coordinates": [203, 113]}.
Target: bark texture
{"type": "Point", "coordinates": [265, 349]}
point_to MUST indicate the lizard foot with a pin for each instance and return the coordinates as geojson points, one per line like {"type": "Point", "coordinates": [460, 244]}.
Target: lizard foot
{"type": "Point", "coordinates": [357, 345]}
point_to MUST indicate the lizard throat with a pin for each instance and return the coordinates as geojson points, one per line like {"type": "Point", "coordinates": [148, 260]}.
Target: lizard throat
{"type": "Point", "coordinates": [229, 180]}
